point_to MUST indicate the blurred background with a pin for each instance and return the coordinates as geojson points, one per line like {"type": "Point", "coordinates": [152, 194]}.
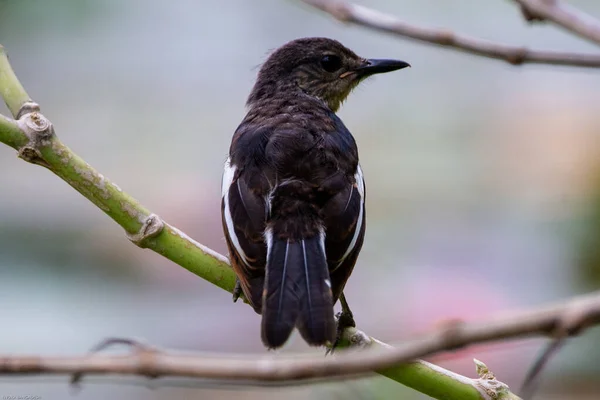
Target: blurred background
{"type": "Point", "coordinates": [483, 185]}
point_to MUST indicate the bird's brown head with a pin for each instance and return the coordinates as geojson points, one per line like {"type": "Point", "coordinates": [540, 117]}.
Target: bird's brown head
{"type": "Point", "coordinates": [319, 67]}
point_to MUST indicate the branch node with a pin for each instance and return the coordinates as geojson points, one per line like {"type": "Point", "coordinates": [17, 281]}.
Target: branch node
{"type": "Point", "coordinates": [28, 107]}
{"type": "Point", "coordinates": [152, 226]}
{"type": "Point", "coordinates": [357, 338]}
{"type": "Point", "coordinates": [38, 129]}
{"type": "Point", "coordinates": [571, 322]}
{"type": "Point", "coordinates": [483, 372]}
{"type": "Point", "coordinates": [493, 388]}
{"type": "Point", "coordinates": [30, 154]}
{"type": "Point", "coordinates": [518, 56]}
{"type": "Point", "coordinates": [530, 16]}
{"type": "Point", "coordinates": [487, 381]}
{"type": "Point", "coordinates": [445, 37]}
{"type": "Point", "coordinates": [450, 334]}
{"type": "Point", "coordinates": [145, 353]}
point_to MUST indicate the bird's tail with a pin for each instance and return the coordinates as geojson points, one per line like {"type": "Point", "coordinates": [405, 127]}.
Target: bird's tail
{"type": "Point", "coordinates": [297, 292]}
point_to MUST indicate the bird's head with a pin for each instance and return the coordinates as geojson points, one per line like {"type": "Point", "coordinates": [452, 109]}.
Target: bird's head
{"type": "Point", "coordinates": [320, 67]}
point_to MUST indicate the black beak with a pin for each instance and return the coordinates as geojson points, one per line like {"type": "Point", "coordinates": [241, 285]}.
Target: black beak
{"type": "Point", "coordinates": [381, 66]}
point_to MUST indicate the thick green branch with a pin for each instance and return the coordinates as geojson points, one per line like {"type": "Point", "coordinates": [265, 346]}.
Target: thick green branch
{"type": "Point", "coordinates": [33, 136]}
{"type": "Point", "coordinates": [132, 216]}
{"type": "Point", "coordinates": [11, 134]}
{"type": "Point", "coordinates": [434, 381]}
{"type": "Point", "coordinates": [44, 148]}
{"type": "Point", "coordinates": [11, 89]}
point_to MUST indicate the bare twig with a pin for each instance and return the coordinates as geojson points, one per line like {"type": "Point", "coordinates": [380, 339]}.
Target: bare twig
{"type": "Point", "coordinates": [577, 314]}
{"type": "Point", "coordinates": [139, 348]}
{"type": "Point", "coordinates": [563, 15]}
{"type": "Point", "coordinates": [347, 12]}
{"type": "Point", "coordinates": [531, 379]}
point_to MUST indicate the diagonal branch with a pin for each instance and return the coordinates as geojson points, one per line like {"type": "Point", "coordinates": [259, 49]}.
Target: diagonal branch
{"type": "Point", "coordinates": [11, 89]}
{"type": "Point", "coordinates": [359, 15]}
{"type": "Point", "coordinates": [570, 18]}
{"type": "Point", "coordinates": [32, 134]}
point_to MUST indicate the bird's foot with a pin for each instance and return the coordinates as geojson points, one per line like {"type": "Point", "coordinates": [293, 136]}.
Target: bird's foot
{"type": "Point", "coordinates": [237, 290]}
{"type": "Point", "coordinates": [345, 319]}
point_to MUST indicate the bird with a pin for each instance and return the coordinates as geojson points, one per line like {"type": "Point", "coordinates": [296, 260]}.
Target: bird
{"type": "Point", "coordinates": [293, 191]}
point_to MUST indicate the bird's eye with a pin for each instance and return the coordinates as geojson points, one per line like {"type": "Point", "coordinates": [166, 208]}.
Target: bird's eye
{"type": "Point", "coordinates": [331, 63]}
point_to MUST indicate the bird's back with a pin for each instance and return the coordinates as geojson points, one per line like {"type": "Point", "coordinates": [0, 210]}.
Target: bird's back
{"type": "Point", "coordinates": [295, 174]}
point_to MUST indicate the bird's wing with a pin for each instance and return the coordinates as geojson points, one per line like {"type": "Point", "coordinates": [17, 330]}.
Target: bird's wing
{"type": "Point", "coordinates": [243, 214]}
{"type": "Point", "coordinates": [245, 190]}
{"type": "Point", "coordinates": [345, 229]}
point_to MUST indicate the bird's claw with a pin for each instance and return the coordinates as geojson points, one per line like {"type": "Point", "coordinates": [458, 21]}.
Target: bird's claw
{"type": "Point", "coordinates": [237, 290]}
{"type": "Point", "coordinates": [344, 319]}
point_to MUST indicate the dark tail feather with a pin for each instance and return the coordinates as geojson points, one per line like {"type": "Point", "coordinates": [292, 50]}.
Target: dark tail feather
{"type": "Point", "coordinates": [297, 293]}
{"type": "Point", "coordinates": [281, 297]}
{"type": "Point", "coordinates": [316, 323]}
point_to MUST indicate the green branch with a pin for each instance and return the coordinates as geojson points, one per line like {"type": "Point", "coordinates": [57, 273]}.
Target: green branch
{"type": "Point", "coordinates": [32, 135]}
{"type": "Point", "coordinates": [12, 135]}
{"type": "Point", "coordinates": [11, 90]}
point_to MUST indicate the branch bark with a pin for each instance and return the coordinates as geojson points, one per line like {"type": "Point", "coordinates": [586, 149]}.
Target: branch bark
{"type": "Point", "coordinates": [570, 18]}
{"type": "Point", "coordinates": [11, 89]}
{"type": "Point", "coordinates": [564, 318]}
{"type": "Point", "coordinates": [363, 16]}
{"type": "Point", "coordinates": [153, 363]}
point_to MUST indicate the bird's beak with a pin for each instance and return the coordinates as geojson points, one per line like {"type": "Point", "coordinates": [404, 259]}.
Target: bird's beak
{"type": "Point", "coordinates": [380, 66]}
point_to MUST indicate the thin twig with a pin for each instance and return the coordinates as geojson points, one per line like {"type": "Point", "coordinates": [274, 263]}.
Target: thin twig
{"type": "Point", "coordinates": [531, 379]}
{"type": "Point", "coordinates": [577, 314]}
{"type": "Point", "coordinates": [563, 15]}
{"type": "Point", "coordinates": [347, 12]}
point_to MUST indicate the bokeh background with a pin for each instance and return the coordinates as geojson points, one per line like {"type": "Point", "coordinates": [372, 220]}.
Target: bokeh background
{"type": "Point", "coordinates": [483, 185]}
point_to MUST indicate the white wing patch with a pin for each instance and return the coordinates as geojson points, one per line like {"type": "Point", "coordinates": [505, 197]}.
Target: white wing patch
{"type": "Point", "coordinates": [269, 241]}
{"type": "Point", "coordinates": [360, 184]}
{"type": "Point", "coordinates": [228, 174]}
{"type": "Point", "coordinates": [322, 239]}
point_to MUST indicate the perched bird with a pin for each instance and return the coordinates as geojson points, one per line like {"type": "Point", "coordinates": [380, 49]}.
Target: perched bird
{"type": "Point", "coordinates": [293, 205]}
